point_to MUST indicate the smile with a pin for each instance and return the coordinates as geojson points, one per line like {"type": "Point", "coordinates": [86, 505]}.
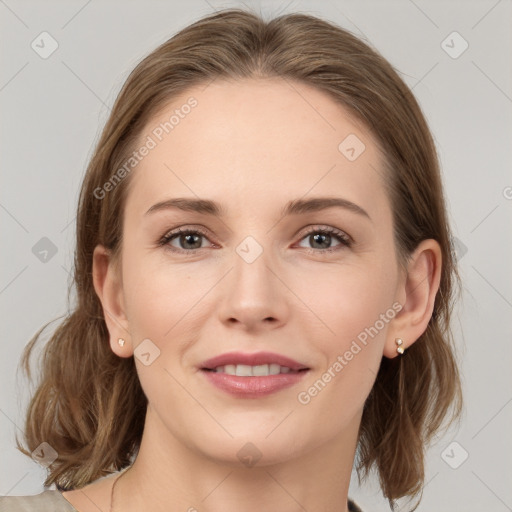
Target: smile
{"type": "Point", "coordinates": [250, 384]}
{"type": "Point", "coordinates": [244, 370]}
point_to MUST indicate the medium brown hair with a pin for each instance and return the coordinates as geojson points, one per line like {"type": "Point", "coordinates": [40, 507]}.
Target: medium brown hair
{"type": "Point", "coordinates": [89, 405]}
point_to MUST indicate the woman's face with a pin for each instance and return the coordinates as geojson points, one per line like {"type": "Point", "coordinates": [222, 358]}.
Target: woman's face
{"type": "Point", "coordinates": [261, 275]}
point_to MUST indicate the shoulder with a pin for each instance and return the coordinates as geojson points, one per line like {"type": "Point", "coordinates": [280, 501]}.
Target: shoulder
{"type": "Point", "coordinates": [47, 501]}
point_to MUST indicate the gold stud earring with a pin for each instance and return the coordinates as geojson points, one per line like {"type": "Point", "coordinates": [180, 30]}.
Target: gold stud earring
{"type": "Point", "coordinates": [399, 345]}
{"type": "Point", "coordinates": [121, 342]}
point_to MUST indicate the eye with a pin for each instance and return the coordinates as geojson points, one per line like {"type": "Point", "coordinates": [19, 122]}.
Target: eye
{"type": "Point", "coordinates": [188, 240]}
{"type": "Point", "coordinates": [321, 239]}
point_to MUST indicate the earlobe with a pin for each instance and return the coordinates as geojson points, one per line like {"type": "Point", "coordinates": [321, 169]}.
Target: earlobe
{"type": "Point", "coordinates": [108, 286]}
{"type": "Point", "coordinates": [418, 292]}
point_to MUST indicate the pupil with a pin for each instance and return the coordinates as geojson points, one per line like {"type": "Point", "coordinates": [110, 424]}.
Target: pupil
{"type": "Point", "coordinates": [326, 238]}
{"type": "Point", "coordinates": [190, 238]}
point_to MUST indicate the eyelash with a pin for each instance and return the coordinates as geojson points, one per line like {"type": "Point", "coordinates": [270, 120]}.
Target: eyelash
{"type": "Point", "coordinates": [344, 239]}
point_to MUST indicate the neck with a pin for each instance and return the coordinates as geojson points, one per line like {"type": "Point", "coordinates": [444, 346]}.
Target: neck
{"type": "Point", "coordinates": [180, 477]}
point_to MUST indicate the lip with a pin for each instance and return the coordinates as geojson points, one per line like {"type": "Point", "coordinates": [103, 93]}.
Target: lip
{"type": "Point", "coordinates": [253, 387]}
{"type": "Point", "coordinates": [254, 359]}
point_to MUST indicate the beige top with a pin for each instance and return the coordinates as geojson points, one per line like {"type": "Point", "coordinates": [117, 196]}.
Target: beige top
{"type": "Point", "coordinates": [47, 501]}
{"type": "Point", "coordinates": [53, 501]}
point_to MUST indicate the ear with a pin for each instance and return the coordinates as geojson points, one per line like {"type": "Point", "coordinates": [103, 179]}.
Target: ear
{"type": "Point", "coordinates": [108, 285]}
{"type": "Point", "coordinates": [417, 292]}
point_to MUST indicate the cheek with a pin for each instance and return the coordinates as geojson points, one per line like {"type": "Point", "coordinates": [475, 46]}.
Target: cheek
{"type": "Point", "coordinates": [347, 299]}
{"type": "Point", "coordinates": [161, 296]}
{"type": "Point", "coordinates": [355, 307]}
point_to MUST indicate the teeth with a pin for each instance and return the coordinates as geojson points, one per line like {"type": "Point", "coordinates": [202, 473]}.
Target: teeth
{"type": "Point", "coordinates": [244, 370]}
{"type": "Point", "coordinates": [274, 369]}
{"type": "Point", "coordinates": [230, 369]}
{"type": "Point", "coordinates": [262, 369]}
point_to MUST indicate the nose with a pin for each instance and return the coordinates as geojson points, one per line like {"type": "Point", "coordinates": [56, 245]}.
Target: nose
{"type": "Point", "coordinates": [254, 295]}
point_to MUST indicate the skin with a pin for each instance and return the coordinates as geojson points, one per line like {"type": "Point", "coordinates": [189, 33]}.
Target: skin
{"type": "Point", "coordinates": [252, 146]}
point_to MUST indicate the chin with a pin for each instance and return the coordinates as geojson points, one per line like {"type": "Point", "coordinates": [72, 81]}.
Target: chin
{"type": "Point", "coordinates": [251, 447]}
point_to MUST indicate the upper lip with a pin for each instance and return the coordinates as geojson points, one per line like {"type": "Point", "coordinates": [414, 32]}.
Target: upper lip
{"type": "Point", "coordinates": [255, 359]}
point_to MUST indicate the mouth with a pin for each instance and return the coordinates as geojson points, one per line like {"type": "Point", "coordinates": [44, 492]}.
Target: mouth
{"type": "Point", "coordinates": [252, 364]}
{"type": "Point", "coordinates": [253, 375]}
{"type": "Point", "coordinates": [261, 370]}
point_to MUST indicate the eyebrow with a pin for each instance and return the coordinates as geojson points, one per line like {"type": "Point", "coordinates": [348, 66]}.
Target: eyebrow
{"type": "Point", "coordinates": [294, 207]}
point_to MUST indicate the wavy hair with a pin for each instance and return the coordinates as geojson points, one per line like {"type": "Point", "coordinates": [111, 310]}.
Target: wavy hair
{"type": "Point", "coordinates": [89, 405]}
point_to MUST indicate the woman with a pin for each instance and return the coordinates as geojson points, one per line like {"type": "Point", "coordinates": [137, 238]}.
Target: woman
{"type": "Point", "coordinates": [264, 279]}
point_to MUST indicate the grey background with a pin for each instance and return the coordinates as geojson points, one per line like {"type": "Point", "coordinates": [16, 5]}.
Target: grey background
{"type": "Point", "coordinates": [52, 113]}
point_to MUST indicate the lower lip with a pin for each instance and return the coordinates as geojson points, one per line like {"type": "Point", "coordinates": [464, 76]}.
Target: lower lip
{"type": "Point", "coordinates": [253, 387]}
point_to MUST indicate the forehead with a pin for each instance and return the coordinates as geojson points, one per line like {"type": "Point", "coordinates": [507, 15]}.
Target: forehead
{"type": "Point", "coordinates": [254, 139]}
